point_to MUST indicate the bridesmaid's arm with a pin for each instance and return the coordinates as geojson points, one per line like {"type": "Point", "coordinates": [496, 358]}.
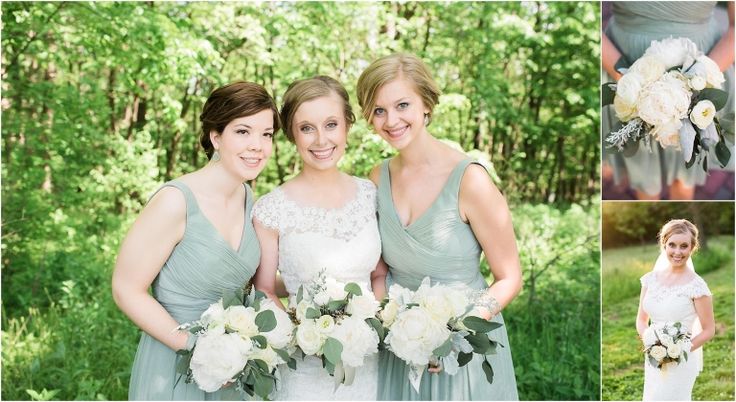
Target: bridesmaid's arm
{"type": "Point", "coordinates": [722, 53]}
{"type": "Point", "coordinates": [485, 209]}
{"type": "Point", "coordinates": [265, 277]}
{"type": "Point", "coordinates": [610, 56]}
{"type": "Point", "coordinates": [642, 318]}
{"type": "Point", "coordinates": [378, 279]}
{"type": "Point", "coordinates": [704, 308]}
{"type": "Point", "coordinates": [144, 251]}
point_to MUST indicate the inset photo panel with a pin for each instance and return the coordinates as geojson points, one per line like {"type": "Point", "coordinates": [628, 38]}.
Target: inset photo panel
{"type": "Point", "coordinates": [668, 301]}
{"type": "Point", "coordinates": [667, 100]}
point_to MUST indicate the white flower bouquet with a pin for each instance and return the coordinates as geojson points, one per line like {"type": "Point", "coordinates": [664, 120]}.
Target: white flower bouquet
{"type": "Point", "coordinates": [240, 339]}
{"type": "Point", "coordinates": [665, 343]}
{"type": "Point", "coordinates": [435, 325]}
{"type": "Point", "coordinates": [671, 95]}
{"type": "Point", "coordinates": [337, 322]}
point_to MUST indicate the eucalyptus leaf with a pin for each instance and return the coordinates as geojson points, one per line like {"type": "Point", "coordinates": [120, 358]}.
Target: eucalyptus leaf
{"type": "Point", "coordinates": [479, 342]}
{"type": "Point", "coordinates": [444, 349]}
{"type": "Point", "coordinates": [263, 386]}
{"type": "Point", "coordinates": [266, 320]}
{"type": "Point", "coordinates": [353, 288]}
{"type": "Point", "coordinates": [312, 313]}
{"type": "Point", "coordinates": [464, 358]}
{"type": "Point", "coordinates": [723, 154]}
{"type": "Point", "coordinates": [300, 294]}
{"type": "Point", "coordinates": [260, 341]}
{"type": "Point", "coordinates": [332, 350]}
{"type": "Point", "coordinates": [488, 370]}
{"type": "Point", "coordinates": [717, 96]}
{"type": "Point", "coordinates": [335, 305]}
{"type": "Point", "coordinates": [478, 324]}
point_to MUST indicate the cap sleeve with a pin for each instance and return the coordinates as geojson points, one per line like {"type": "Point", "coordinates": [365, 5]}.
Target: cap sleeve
{"type": "Point", "coordinates": [698, 288]}
{"type": "Point", "coordinates": [646, 280]}
{"type": "Point", "coordinates": [266, 210]}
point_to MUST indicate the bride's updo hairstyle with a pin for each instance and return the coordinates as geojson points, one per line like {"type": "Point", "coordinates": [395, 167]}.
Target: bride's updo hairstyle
{"type": "Point", "coordinates": [309, 89]}
{"type": "Point", "coordinates": [389, 68]}
{"type": "Point", "coordinates": [679, 226]}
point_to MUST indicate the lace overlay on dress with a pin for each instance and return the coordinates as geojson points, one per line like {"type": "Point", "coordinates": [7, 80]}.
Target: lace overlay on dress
{"type": "Point", "coordinates": [692, 290]}
{"type": "Point", "coordinates": [345, 244]}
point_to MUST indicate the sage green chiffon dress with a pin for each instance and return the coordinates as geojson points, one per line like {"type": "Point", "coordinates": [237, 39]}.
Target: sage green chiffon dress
{"type": "Point", "coordinates": [632, 28]}
{"type": "Point", "coordinates": [439, 245]}
{"type": "Point", "coordinates": [194, 276]}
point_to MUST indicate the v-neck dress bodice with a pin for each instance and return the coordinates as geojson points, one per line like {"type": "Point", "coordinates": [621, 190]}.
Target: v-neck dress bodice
{"type": "Point", "coordinates": [200, 268]}
{"type": "Point", "coordinates": [439, 245]}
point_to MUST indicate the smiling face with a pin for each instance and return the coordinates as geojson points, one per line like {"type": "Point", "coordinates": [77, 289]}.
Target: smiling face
{"type": "Point", "coordinates": [678, 248]}
{"type": "Point", "coordinates": [245, 144]}
{"type": "Point", "coordinates": [398, 114]}
{"type": "Point", "coordinates": [320, 132]}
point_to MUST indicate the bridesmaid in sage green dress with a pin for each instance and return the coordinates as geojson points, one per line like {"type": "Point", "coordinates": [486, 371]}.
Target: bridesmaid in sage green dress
{"type": "Point", "coordinates": [194, 240]}
{"type": "Point", "coordinates": [631, 30]}
{"type": "Point", "coordinates": [437, 210]}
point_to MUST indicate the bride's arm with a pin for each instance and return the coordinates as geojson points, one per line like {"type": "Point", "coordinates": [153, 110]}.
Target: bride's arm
{"type": "Point", "coordinates": [265, 277]}
{"type": "Point", "coordinates": [722, 53]}
{"type": "Point", "coordinates": [642, 318]}
{"type": "Point", "coordinates": [493, 228]}
{"type": "Point", "coordinates": [378, 279]}
{"type": "Point", "coordinates": [704, 308]}
{"type": "Point", "coordinates": [144, 251]}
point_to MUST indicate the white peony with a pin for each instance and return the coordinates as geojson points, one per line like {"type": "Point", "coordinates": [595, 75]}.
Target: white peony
{"type": "Point", "coordinates": [415, 334]}
{"type": "Point", "coordinates": [668, 134]}
{"type": "Point", "coordinates": [672, 52]}
{"type": "Point", "coordinates": [666, 100]}
{"type": "Point", "coordinates": [213, 319]}
{"type": "Point", "coordinates": [658, 352]}
{"type": "Point", "coordinates": [674, 351]}
{"type": "Point", "coordinates": [282, 335]}
{"type": "Point", "coordinates": [703, 113]}
{"type": "Point", "coordinates": [400, 294]}
{"type": "Point", "coordinates": [648, 67]}
{"type": "Point", "coordinates": [442, 302]}
{"type": "Point", "coordinates": [624, 111]}
{"type": "Point", "coordinates": [650, 337]}
{"type": "Point", "coordinates": [706, 68]}
{"type": "Point", "coordinates": [388, 313]}
{"type": "Point", "coordinates": [629, 87]}
{"type": "Point", "coordinates": [241, 319]}
{"type": "Point", "coordinates": [364, 306]}
{"type": "Point", "coordinates": [325, 324]}
{"type": "Point", "coordinates": [358, 340]}
{"type": "Point", "coordinates": [268, 355]}
{"type": "Point", "coordinates": [697, 82]}
{"type": "Point", "coordinates": [309, 338]}
{"type": "Point", "coordinates": [217, 358]}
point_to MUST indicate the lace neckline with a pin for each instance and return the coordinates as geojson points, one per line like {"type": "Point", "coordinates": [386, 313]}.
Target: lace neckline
{"type": "Point", "coordinates": [656, 280]}
{"type": "Point", "coordinates": [346, 206]}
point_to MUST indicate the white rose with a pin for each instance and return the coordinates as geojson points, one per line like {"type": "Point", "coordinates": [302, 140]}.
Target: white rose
{"type": "Point", "coordinates": [668, 133]}
{"type": "Point", "coordinates": [358, 340]}
{"type": "Point", "coordinates": [301, 309]}
{"type": "Point", "coordinates": [241, 319]}
{"type": "Point", "coordinates": [321, 298]}
{"type": "Point", "coordinates": [673, 52]}
{"type": "Point", "coordinates": [706, 68]}
{"type": "Point", "coordinates": [665, 100]}
{"type": "Point", "coordinates": [650, 68]}
{"type": "Point", "coordinates": [309, 338]}
{"type": "Point", "coordinates": [629, 87]}
{"type": "Point", "coordinates": [674, 351]}
{"type": "Point", "coordinates": [624, 111]}
{"type": "Point", "coordinates": [325, 324]}
{"type": "Point", "coordinates": [388, 313]}
{"type": "Point", "coordinates": [658, 353]}
{"type": "Point", "coordinates": [650, 338]}
{"type": "Point", "coordinates": [282, 335]}
{"type": "Point", "coordinates": [267, 355]}
{"type": "Point", "coordinates": [364, 306]}
{"type": "Point", "coordinates": [697, 82]}
{"type": "Point", "coordinates": [217, 358]}
{"type": "Point", "coordinates": [667, 341]}
{"type": "Point", "coordinates": [335, 290]}
{"type": "Point", "coordinates": [703, 113]}
{"type": "Point", "coordinates": [214, 318]}
{"type": "Point", "coordinates": [415, 334]}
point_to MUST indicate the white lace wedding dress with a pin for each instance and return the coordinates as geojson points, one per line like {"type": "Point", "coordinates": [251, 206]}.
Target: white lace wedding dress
{"type": "Point", "coordinates": [345, 244]}
{"type": "Point", "coordinates": [672, 304]}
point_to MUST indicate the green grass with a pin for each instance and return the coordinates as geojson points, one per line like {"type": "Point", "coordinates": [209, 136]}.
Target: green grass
{"type": "Point", "coordinates": [623, 365]}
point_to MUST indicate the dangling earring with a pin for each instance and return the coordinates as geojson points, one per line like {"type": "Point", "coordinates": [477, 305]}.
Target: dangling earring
{"type": "Point", "coordinates": [215, 156]}
{"type": "Point", "coordinates": [426, 119]}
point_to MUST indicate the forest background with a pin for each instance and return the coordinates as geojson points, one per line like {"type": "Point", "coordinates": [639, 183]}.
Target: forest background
{"type": "Point", "coordinates": [100, 106]}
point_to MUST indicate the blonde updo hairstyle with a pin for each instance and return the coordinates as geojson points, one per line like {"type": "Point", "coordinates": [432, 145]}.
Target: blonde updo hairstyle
{"type": "Point", "coordinates": [309, 89]}
{"type": "Point", "coordinates": [679, 226]}
{"type": "Point", "coordinates": [389, 68]}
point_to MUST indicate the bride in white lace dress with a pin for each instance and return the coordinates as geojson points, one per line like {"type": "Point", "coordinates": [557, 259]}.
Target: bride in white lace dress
{"type": "Point", "coordinates": [321, 220]}
{"type": "Point", "coordinates": [673, 292]}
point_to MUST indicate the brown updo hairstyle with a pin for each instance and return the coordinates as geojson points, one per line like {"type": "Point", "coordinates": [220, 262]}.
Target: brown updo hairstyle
{"type": "Point", "coordinates": [389, 68]}
{"type": "Point", "coordinates": [679, 226]}
{"type": "Point", "coordinates": [232, 101]}
{"type": "Point", "coordinates": [309, 89]}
